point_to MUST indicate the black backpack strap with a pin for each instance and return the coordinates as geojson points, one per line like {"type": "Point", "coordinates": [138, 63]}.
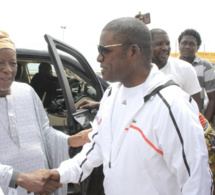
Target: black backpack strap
{"type": "Point", "coordinates": [156, 90]}
{"type": "Point", "coordinates": [110, 90]}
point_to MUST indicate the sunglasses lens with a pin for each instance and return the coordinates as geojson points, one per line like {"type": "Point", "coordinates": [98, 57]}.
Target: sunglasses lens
{"type": "Point", "coordinates": [101, 50]}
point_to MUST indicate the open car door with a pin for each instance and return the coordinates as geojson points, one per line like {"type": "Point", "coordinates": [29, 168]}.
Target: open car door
{"type": "Point", "coordinates": [55, 47]}
{"type": "Point", "coordinates": [77, 119]}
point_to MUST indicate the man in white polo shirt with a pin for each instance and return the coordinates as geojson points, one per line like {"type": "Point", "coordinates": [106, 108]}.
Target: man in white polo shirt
{"type": "Point", "coordinates": [181, 72]}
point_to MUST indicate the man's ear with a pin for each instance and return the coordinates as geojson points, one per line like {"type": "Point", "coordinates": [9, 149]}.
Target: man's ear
{"type": "Point", "coordinates": [135, 49]}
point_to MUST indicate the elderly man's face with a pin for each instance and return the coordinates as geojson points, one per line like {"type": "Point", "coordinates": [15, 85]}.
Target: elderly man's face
{"type": "Point", "coordinates": [8, 69]}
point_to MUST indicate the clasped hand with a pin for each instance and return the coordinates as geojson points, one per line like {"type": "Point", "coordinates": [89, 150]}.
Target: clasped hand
{"type": "Point", "coordinates": [42, 182]}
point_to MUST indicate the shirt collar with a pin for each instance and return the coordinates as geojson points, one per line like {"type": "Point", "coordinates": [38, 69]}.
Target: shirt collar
{"type": "Point", "coordinates": [196, 60]}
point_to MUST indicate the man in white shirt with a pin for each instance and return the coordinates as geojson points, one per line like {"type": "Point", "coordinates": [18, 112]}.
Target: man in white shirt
{"type": "Point", "coordinates": [149, 143]}
{"type": "Point", "coordinates": [181, 72]}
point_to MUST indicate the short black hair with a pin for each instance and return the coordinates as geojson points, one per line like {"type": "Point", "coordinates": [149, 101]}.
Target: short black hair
{"type": "Point", "coordinates": [44, 67]}
{"type": "Point", "coordinates": [129, 30]}
{"type": "Point", "coordinates": [193, 33]}
{"type": "Point", "coordinates": [157, 31]}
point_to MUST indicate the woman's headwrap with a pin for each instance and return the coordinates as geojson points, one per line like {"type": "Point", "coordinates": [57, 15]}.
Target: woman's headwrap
{"type": "Point", "coordinates": [5, 41]}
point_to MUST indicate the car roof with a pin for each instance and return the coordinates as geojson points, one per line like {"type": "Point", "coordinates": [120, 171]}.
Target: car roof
{"type": "Point", "coordinates": [43, 55]}
{"type": "Point", "coordinates": [25, 54]}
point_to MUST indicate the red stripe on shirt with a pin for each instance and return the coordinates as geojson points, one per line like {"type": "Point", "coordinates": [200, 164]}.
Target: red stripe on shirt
{"type": "Point", "coordinates": [99, 121]}
{"type": "Point", "coordinates": [144, 137]}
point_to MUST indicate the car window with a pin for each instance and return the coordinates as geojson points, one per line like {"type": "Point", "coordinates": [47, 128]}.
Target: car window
{"type": "Point", "coordinates": [33, 68]}
{"type": "Point", "coordinates": [80, 88]}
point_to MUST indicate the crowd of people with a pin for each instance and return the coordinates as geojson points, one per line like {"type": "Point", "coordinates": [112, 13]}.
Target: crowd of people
{"type": "Point", "coordinates": [146, 134]}
{"type": "Point", "coordinates": [193, 74]}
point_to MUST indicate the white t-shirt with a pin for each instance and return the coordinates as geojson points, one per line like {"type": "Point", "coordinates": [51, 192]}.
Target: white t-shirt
{"type": "Point", "coordinates": [183, 74]}
{"type": "Point", "coordinates": [124, 102]}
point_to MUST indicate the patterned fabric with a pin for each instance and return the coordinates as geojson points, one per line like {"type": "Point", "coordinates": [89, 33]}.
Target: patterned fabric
{"type": "Point", "coordinates": [210, 141]}
{"type": "Point", "coordinates": [5, 41]}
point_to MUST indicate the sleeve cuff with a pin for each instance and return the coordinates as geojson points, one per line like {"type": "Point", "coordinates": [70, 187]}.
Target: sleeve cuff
{"type": "Point", "coordinates": [13, 179]}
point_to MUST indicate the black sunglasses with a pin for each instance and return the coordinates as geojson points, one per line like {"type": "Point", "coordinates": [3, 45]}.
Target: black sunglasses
{"type": "Point", "coordinates": [102, 48]}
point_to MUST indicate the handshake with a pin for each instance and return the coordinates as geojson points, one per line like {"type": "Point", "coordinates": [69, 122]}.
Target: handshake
{"type": "Point", "coordinates": [41, 182]}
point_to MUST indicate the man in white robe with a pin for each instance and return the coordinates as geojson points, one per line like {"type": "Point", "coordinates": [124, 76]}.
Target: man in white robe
{"type": "Point", "coordinates": [37, 145]}
{"type": "Point", "coordinates": [28, 143]}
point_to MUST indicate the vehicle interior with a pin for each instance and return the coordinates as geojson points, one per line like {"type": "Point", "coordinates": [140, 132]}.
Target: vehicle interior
{"type": "Point", "coordinates": [80, 87]}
